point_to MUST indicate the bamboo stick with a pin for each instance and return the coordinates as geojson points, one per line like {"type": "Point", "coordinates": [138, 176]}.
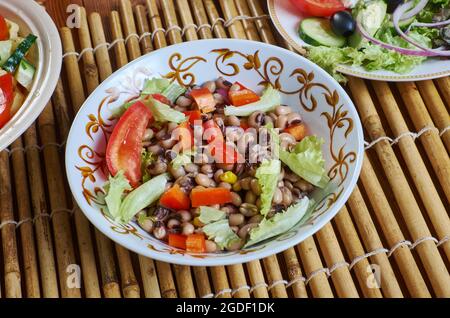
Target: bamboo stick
{"type": "Point", "coordinates": [149, 278]}
{"type": "Point", "coordinates": [155, 23]}
{"type": "Point", "coordinates": [372, 242]}
{"type": "Point", "coordinates": [220, 281]}
{"type": "Point", "coordinates": [229, 11]}
{"type": "Point", "coordinates": [130, 285]}
{"type": "Point", "coordinates": [166, 281]}
{"type": "Point", "coordinates": [185, 284]}
{"type": "Point", "coordinates": [119, 49]}
{"type": "Point", "coordinates": [391, 230]}
{"type": "Point", "coordinates": [433, 145]}
{"type": "Point", "coordinates": [129, 27]}
{"type": "Point", "coordinates": [342, 280]}
{"type": "Point", "coordinates": [238, 280]}
{"type": "Point", "coordinates": [90, 70]}
{"type": "Point", "coordinates": [417, 227]}
{"type": "Point", "coordinates": [58, 202]}
{"type": "Point", "coordinates": [257, 280]}
{"type": "Point", "coordinates": [186, 19]}
{"type": "Point", "coordinates": [8, 232]}
{"type": "Point", "coordinates": [444, 88]}
{"type": "Point", "coordinates": [199, 13]}
{"type": "Point", "coordinates": [294, 273]}
{"type": "Point", "coordinates": [202, 281]}
{"type": "Point", "coordinates": [273, 273]}
{"type": "Point", "coordinates": [101, 54]}
{"type": "Point", "coordinates": [170, 19]}
{"type": "Point", "coordinates": [213, 14]}
{"type": "Point", "coordinates": [436, 107]}
{"type": "Point", "coordinates": [265, 30]}
{"type": "Point", "coordinates": [47, 267]}
{"type": "Point", "coordinates": [29, 257]}
{"type": "Point", "coordinates": [311, 262]}
{"type": "Point", "coordinates": [419, 173]}
{"type": "Point", "coordinates": [249, 26]}
{"type": "Point", "coordinates": [109, 279]}
{"type": "Point", "coordinates": [143, 28]}
{"type": "Point", "coordinates": [355, 249]}
{"type": "Point", "coordinates": [72, 69]}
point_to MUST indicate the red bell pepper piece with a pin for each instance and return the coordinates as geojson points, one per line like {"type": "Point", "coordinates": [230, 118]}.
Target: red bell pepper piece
{"type": "Point", "coordinates": [204, 99]}
{"type": "Point", "coordinates": [178, 241]}
{"type": "Point", "coordinates": [193, 115]}
{"type": "Point", "coordinates": [175, 199]}
{"type": "Point", "coordinates": [6, 98]}
{"type": "Point", "coordinates": [196, 243]}
{"type": "Point", "coordinates": [243, 97]}
{"type": "Point", "coordinates": [209, 196]}
{"type": "Point", "coordinates": [299, 131]}
{"type": "Point", "coordinates": [124, 148]}
{"type": "Point", "coordinates": [4, 31]}
{"type": "Point", "coordinates": [161, 98]}
{"type": "Point", "coordinates": [185, 135]}
{"type": "Point", "coordinates": [211, 131]}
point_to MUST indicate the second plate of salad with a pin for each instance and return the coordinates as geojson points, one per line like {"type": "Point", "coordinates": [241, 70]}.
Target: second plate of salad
{"type": "Point", "coordinates": [391, 40]}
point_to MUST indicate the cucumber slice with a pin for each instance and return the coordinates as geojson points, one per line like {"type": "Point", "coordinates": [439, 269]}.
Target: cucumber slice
{"type": "Point", "coordinates": [25, 73]}
{"type": "Point", "coordinates": [317, 31]}
{"type": "Point", "coordinates": [5, 51]}
{"type": "Point", "coordinates": [14, 60]}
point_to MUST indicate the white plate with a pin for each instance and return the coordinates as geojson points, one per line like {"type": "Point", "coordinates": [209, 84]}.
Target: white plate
{"type": "Point", "coordinates": [322, 102]}
{"type": "Point", "coordinates": [286, 19]}
{"type": "Point", "coordinates": [32, 18]}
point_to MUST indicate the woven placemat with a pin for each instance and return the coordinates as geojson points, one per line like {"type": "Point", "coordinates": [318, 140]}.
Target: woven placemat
{"type": "Point", "coordinates": [390, 240]}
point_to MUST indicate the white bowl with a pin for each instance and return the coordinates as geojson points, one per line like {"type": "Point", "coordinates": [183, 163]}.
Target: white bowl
{"type": "Point", "coordinates": [311, 90]}
{"type": "Point", "coordinates": [32, 18]}
{"type": "Point", "coordinates": [286, 19]}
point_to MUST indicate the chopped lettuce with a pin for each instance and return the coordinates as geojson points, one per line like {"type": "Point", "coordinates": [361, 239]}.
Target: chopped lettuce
{"type": "Point", "coordinates": [267, 175]}
{"type": "Point", "coordinates": [182, 159]}
{"type": "Point", "coordinates": [173, 91]}
{"type": "Point", "coordinates": [163, 112]}
{"type": "Point", "coordinates": [209, 215]}
{"type": "Point", "coordinates": [142, 197]}
{"type": "Point", "coordinates": [306, 160]}
{"type": "Point", "coordinates": [115, 190]}
{"type": "Point", "coordinates": [222, 233]}
{"type": "Point", "coordinates": [155, 86]}
{"type": "Point", "coordinates": [269, 100]}
{"type": "Point", "coordinates": [280, 223]}
{"type": "Point", "coordinates": [147, 159]}
{"type": "Point", "coordinates": [120, 110]}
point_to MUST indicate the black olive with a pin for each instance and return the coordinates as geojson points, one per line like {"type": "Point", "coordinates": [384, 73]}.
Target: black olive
{"type": "Point", "coordinates": [393, 4]}
{"type": "Point", "coordinates": [343, 23]}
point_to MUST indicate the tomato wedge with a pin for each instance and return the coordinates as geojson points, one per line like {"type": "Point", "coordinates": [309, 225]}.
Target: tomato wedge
{"type": "Point", "coordinates": [178, 241]}
{"type": "Point", "coordinates": [175, 199]}
{"type": "Point", "coordinates": [209, 196]}
{"type": "Point", "coordinates": [204, 99]}
{"type": "Point", "coordinates": [4, 31]}
{"type": "Point", "coordinates": [196, 243]}
{"type": "Point", "coordinates": [6, 98]}
{"type": "Point", "coordinates": [318, 8]}
{"type": "Point", "coordinates": [161, 98]}
{"type": "Point", "coordinates": [123, 151]}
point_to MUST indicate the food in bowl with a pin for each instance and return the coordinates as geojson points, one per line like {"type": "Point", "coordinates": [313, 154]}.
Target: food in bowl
{"type": "Point", "coordinates": [213, 167]}
{"type": "Point", "coordinates": [16, 70]}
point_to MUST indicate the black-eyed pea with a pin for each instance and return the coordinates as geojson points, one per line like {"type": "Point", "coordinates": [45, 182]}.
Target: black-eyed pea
{"type": "Point", "coordinates": [245, 230]}
{"type": "Point", "coordinates": [236, 219]}
{"type": "Point", "coordinates": [211, 246]}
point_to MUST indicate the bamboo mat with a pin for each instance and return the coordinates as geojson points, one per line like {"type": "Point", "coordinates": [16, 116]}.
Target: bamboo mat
{"type": "Point", "coordinates": [393, 231]}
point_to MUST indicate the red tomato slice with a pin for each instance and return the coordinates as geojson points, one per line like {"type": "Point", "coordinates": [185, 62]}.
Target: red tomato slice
{"type": "Point", "coordinates": [6, 98]}
{"type": "Point", "coordinates": [161, 98]}
{"type": "Point", "coordinates": [319, 8]}
{"type": "Point", "coordinates": [4, 31]}
{"type": "Point", "coordinates": [123, 151]}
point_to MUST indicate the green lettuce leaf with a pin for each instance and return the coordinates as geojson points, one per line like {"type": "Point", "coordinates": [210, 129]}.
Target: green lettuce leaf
{"type": "Point", "coordinates": [267, 175]}
{"type": "Point", "coordinates": [222, 234]}
{"type": "Point", "coordinates": [155, 86]}
{"type": "Point", "coordinates": [173, 91]}
{"type": "Point", "coordinates": [142, 197]}
{"type": "Point", "coordinates": [209, 215]}
{"type": "Point", "coordinates": [163, 112]}
{"type": "Point", "coordinates": [280, 223]}
{"type": "Point", "coordinates": [115, 190]}
{"type": "Point", "coordinates": [182, 159]}
{"type": "Point", "coordinates": [269, 100]}
{"type": "Point", "coordinates": [306, 160]}
{"type": "Point", "coordinates": [117, 112]}
{"type": "Point", "coordinates": [147, 159]}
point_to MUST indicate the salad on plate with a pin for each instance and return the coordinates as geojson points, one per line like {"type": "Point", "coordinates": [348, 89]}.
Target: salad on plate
{"type": "Point", "coordinates": [391, 35]}
{"type": "Point", "coordinates": [16, 69]}
{"type": "Point", "coordinates": [211, 168]}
